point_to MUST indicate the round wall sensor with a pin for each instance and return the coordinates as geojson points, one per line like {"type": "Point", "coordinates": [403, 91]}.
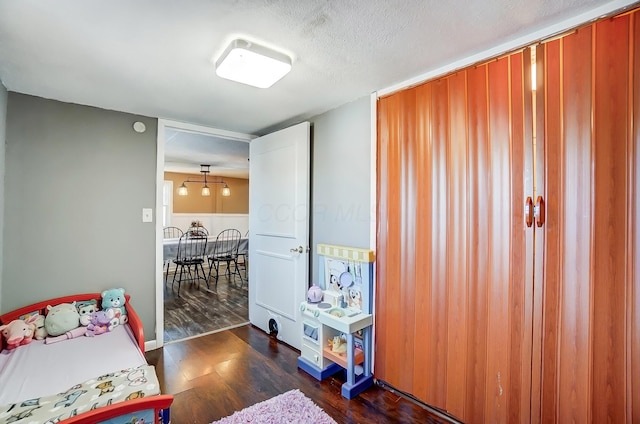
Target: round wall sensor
{"type": "Point", "coordinates": [139, 127]}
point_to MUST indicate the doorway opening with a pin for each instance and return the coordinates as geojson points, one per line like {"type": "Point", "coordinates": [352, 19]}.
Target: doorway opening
{"type": "Point", "coordinates": [187, 308]}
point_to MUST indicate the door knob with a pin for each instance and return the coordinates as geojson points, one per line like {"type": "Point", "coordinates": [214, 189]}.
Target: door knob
{"type": "Point", "coordinates": [528, 211]}
{"type": "Point", "coordinates": [538, 211]}
{"type": "Point", "coordinates": [298, 249]}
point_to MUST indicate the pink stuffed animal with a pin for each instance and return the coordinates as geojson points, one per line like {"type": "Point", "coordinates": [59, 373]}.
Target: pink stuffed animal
{"type": "Point", "coordinates": [101, 322]}
{"type": "Point", "coordinates": [19, 332]}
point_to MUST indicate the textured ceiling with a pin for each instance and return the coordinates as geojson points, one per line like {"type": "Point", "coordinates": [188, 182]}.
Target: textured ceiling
{"type": "Point", "coordinates": [156, 57]}
{"type": "Point", "coordinates": [186, 151]}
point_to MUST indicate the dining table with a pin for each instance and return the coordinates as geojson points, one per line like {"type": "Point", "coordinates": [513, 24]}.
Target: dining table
{"type": "Point", "coordinates": [170, 247]}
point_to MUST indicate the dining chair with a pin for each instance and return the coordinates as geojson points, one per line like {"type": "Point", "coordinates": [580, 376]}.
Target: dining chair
{"type": "Point", "coordinates": [243, 256]}
{"type": "Point", "coordinates": [170, 233]}
{"type": "Point", "coordinates": [190, 259]}
{"type": "Point", "coordinates": [225, 251]}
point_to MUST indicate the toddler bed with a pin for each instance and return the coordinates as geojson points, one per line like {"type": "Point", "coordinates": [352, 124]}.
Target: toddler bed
{"type": "Point", "coordinates": [101, 379]}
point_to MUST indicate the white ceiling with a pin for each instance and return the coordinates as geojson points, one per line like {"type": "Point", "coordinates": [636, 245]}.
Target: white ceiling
{"type": "Point", "coordinates": [156, 57]}
{"type": "Point", "coordinates": [185, 151]}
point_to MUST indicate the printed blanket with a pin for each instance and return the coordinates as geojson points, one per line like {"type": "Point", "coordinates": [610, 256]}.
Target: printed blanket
{"type": "Point", "coordinates": [119, 386]}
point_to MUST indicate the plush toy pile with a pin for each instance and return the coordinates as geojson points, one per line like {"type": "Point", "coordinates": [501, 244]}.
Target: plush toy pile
{"type": "Point", "coordinates": [69, 320]}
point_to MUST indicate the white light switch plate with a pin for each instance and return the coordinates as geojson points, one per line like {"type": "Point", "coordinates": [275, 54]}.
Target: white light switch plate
{"type": "Point", "coordinates": [147, 215]}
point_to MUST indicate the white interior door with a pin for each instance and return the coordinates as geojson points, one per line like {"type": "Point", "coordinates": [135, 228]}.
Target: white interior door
{"type": "Point", "coordinates": [279, 231]}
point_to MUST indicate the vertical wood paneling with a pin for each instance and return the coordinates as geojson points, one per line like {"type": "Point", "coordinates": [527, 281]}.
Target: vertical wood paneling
{"type": "Point", "coordinates": [499, 205]}
{"type": "Point", "coordinates": [538, 259]}
{"type": "Point", "coordinates": [575, 228]}
{"type": "Point", "coordinates": [609, 219]}
{"type": "Point", "coordinates": [384, 133]}
{"type": "Point", "coordinates": [406, 274]}
{"type": "Point", "coordinates": [387, 318]}
{"type": "Point", "coordinates": [520, 305]}
{"type": "Point", "coordinates": [423, 311]}
{"type": "Point", "coordinates": [439, 284]}
{"type": "Point", "coordinates": [382, 192]}
{"type": "Point", "coordinates": [633, 277]}
{"type": "Point", "coordinates": [459, 158]}
{"type": "Point", "coordinates": [589, 166]}
{"type": "Point", "coordinates": [457, 247]}
{"type": "Point", "coordinates": [478, 157]}
{"type": "Point", "coordinates": [477, 314]}
{"type": "Point", "coordinates": [551, 187]}
{"type": "Point", "coordinates": [567, 317]}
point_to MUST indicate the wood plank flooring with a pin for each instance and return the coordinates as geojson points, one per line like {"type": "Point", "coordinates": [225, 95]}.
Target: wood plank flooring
{"type": "Point", "coordinates": [217, 374]}
{"type": "Point", "coordinates": [199, 310]}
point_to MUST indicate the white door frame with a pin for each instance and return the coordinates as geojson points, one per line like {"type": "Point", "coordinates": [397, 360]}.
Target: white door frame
{"type": "Point", "coordinates": [163, 125]}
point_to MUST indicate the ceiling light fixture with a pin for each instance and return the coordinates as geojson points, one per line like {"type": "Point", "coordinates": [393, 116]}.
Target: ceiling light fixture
{"type": "Point", "coordinates": [251, 64]}
{"type": "Point", "coordinates": [204, 169]}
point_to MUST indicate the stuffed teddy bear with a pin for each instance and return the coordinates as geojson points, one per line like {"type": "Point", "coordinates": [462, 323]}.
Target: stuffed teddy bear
{"type": "Point", "coordinates": [85, 309]}
{"type": "Point", "coordinates": [19, 332]}
{"type": "Point", "coordinates": [61, 318]}
{"type": "Point", "coordinates": [114, 299]}
{"type": "Point", "coordinates": [101, 322]}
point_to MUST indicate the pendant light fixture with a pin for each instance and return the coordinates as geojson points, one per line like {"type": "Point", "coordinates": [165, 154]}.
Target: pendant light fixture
{"type": "Point", "coordinates": [204, 170]}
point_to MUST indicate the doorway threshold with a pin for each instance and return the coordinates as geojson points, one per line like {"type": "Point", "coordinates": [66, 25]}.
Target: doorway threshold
{"type": "Point", "coordinates": [207, 333]}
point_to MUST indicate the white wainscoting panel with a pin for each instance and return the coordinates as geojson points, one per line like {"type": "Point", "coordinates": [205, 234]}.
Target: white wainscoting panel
{"type": "Point", "coordinates": [213, 222]}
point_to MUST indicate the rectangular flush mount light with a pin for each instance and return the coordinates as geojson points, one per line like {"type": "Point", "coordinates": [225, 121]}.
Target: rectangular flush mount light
{"type": "Point", "coordinates": [249, 63]}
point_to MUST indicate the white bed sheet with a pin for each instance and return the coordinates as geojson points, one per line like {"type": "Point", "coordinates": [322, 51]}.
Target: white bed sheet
{"type": "Point", "coordinates": [40, 369]}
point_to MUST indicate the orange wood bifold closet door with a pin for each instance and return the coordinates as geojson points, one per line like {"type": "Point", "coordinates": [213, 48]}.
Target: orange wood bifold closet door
{"type": "Point", "coordinates": [588, 324]}
{"type": "Point", "coordinates": [484, 309]}
{"type": "Point", "coordinates": [452, 324]}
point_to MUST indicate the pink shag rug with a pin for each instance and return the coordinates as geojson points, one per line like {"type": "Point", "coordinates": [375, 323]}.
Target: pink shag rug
{"type": "Point", "coordinates": [289, 407]}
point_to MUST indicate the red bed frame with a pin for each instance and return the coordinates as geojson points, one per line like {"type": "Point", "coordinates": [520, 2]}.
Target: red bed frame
{"type": "Point", "coordinates": [160, 404]}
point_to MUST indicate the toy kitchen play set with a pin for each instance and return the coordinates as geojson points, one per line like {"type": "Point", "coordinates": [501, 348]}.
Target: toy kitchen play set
{"type": "Point", "coordinates": [337, 318]}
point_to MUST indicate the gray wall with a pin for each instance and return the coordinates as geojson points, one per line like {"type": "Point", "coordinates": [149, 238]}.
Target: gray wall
{"type": "Point", "coordinates": [3, 126]}
{"type": "Point", "coordinates": [341, 178]}
{"type": "Point", "coordinates": [77, 178]}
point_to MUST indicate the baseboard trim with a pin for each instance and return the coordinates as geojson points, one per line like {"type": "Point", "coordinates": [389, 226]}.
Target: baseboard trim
{"type": "Point", "coordinates": [150, 345]}
{"type": "Point", "coordinates": [442, 414]}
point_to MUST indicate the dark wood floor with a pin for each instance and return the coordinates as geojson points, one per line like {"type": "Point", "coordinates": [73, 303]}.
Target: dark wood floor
{"type": "Point", "coordinates": [215, 375]}
{"type": "Point", "coordinates": [199, 310]}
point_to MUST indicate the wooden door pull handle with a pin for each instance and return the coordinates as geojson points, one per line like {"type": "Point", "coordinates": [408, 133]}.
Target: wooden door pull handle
{"type": "Point", "coordinates": [538, 211]}
{"type": "Point", "coordinates": [528, 211]}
